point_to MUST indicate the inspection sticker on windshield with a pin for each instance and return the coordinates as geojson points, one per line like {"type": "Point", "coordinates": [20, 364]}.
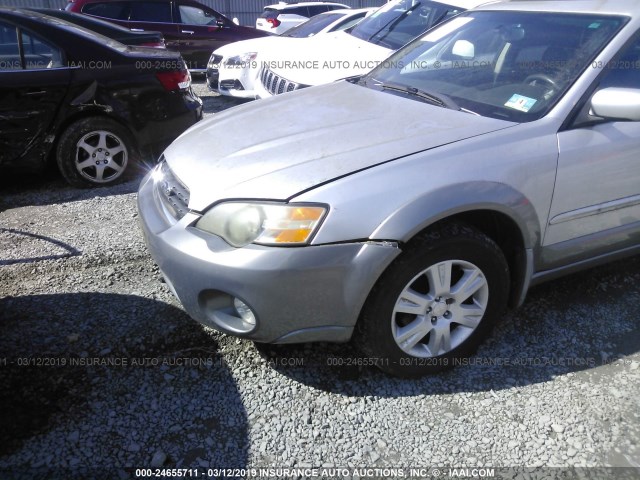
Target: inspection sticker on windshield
{"type": "Point", "coordinates": [520, 102]}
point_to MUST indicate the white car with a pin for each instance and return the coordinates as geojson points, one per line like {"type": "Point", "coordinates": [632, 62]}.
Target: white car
{"type": "Point", "coordinates": [282, 16]}
{"type": "Point", "coordinates": [324, 59]}
{"type": "Point", "coordinates": [331, 21]}
{"type": "Point", "coordinates": [233, 68]}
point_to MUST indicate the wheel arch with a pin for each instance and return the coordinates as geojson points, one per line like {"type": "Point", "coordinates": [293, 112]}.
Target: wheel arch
{"type": "Point", "coordinates": [380, 331]}
{"type": "Point", "coordinates": [495, 209]}
{"type": "Point", "coordinates": [66, 149]}
{"type": "Point", "coordinates": [89, 112]}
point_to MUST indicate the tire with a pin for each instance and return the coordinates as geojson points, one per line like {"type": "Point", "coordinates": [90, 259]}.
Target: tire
{"type": "Point", "coordinates": [417, 319]}
{"type": "Point", "coordinates": [94, 151]}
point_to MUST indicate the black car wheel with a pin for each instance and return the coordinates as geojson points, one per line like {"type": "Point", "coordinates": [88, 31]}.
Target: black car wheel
{"type": "Point", "coordinates": [435, 303]}
{"type": "Point", "coordinates": [94, 151]}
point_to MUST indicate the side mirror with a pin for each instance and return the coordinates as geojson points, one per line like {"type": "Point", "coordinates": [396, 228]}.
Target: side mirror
{"type": "Point", "coordinates": [617, 104]}
{"type": "Point", "coordinates": [236, 21]}
{"type": "Point", "coordinates": [464, 49]}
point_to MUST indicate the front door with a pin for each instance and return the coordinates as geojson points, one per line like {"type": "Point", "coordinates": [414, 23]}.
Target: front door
{"type": "Point", "coordinates": [201, 31]}
{"type": "Point", "coordinates": [597, 193]}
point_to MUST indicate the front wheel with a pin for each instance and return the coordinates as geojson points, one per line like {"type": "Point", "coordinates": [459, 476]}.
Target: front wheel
{"type": "Point", "coordinates": [94, 151]}
{"type": "Point", "coordinates": [435, 303]}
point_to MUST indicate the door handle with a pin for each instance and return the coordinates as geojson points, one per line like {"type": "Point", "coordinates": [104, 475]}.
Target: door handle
{"type": "Point", "coordinates": [39, 93]}
{"type": "Point", "coordinates": [190, 32]}
{"type": "Point", "coordinates": [137, 29]}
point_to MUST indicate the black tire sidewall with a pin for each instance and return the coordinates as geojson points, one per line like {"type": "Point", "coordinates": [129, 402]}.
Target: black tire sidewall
{"type": "Point", "coordinates": [66, 149]}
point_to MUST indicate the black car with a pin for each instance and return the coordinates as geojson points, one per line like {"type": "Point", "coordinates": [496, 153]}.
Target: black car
{"type": "Point", "coordinates": [85, 100]}
{"type": "Point", "coordinates": [108, 29]}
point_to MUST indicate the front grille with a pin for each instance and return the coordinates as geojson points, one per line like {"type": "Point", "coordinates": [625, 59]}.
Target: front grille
{"type": "Point", "coordinates": [172, 192]}
{"type": "Point", "coordinates": [231, 84]}
{"type": "Point", "coordinates": [275, 84]}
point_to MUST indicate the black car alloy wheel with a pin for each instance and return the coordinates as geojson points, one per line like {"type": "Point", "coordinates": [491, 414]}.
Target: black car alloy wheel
{"type": "Point", "coordinates": [94, 151]}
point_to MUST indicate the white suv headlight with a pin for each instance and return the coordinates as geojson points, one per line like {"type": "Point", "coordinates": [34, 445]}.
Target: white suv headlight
{"type": "Point", "coordinates": [242, 223]}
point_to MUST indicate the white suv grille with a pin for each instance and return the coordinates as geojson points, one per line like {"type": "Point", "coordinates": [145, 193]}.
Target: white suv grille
{"type": "Point", "coordinates": [276, 84]}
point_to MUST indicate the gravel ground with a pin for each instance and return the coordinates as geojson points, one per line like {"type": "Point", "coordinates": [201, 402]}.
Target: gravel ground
{"type": "Point", "coordinates": [102, 371]}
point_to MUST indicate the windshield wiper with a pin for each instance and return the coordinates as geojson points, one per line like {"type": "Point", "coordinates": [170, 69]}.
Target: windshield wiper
{"type": "Point", "coordinates": [439, 100]}
{"type": "Point", "coordinates": [394, 21]}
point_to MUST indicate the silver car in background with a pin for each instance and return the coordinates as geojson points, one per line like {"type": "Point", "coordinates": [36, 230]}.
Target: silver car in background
{"type": "Point", "coordinates": [407, 208]}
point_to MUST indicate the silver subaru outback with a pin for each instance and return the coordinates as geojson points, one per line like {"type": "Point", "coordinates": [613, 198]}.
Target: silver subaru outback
{"type": "Point", "coordinates": [407, 208]}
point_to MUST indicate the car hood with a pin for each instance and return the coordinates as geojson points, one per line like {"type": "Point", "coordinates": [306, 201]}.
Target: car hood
{"type": "Point", "coordinates": [324, 58]}
{"type": "Point", "coordinates": [246, 46]}
{"type": "Point", "coordinates": [281, 146]}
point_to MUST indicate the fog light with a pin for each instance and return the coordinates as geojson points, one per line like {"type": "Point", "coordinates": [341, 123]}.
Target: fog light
{"type": "Point", "coordinates": [244, 311]}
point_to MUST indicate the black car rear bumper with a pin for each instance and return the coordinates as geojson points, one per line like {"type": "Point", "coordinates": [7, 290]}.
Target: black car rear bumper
{"type": "Point", "coordinates": [162, 122]}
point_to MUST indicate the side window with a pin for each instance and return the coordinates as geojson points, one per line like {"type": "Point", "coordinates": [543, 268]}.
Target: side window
{"type": "Point", "coordinates": [9, 50]}
{"type": "Point", "coordinates": [316, 10]}
{"type": "Point", "coordinates": [39, 54]}
{"type": "Point", "coordinates": [115, 10]}
{"type": "Point", "coordinates": [36, 53]}
{"type": "Point", "coordinates": [269, 13]}
{"type": "Point", "coordinates": [197, 16]}
{"type": "Point", "coordinates": [625, 72]}
{"type": "Point", "coordinates": [159, 12]}
{"type": "Point", "coordinates": [302, 11]}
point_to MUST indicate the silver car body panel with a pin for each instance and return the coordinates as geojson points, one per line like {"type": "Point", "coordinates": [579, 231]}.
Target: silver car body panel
{"type": "Point", "coordinates": [619, 240]}
{"type": "Point", "coordinates": [389, 167]}
{"type": "Point", "coordinates": [502, 182]}
{"type": "Point", "coordinates": [338, 275]}
{"type": "Point", "coordinates": [586, 158]}
{"type": "Point", "coordinates": [310, 149]}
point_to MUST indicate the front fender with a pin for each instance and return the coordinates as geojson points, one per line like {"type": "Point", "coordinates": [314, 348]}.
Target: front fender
{"type": "Point", "coordinates": [439, 204]}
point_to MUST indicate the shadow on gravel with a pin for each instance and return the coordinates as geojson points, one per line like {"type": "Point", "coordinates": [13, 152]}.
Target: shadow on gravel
{"type": "Point", "coordinates": [578, 323]}
{"type": "Point", "coordinates": [68, 249]}
{"type": "Point", "coordinates": [21, 190]}
{"type": "Point", "coordinates": [112, 383]}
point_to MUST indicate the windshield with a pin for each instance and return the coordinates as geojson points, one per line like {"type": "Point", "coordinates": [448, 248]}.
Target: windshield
{"type": "Point", "coordinates": [507, 65]}
{"type": "Point", "coordinates": [313, 25]}
{"type": "Point", "coordinates": [400, 21]}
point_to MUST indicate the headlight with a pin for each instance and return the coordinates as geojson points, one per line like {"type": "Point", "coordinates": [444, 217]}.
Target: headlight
{"type": "Point", "coordinates": [240, 223]}
{"type": "Point", "coordinates": [241, 60]}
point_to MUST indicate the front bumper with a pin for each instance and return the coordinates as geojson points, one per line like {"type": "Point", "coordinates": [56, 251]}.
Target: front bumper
{"type": "Point", "coordinates": [302, 294]}
{"type": "Point", "coordinates": [231, 82]}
